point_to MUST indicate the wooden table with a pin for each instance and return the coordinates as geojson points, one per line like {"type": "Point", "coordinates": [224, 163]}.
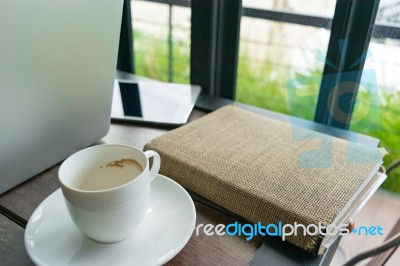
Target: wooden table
{"type": "Point", "coordinates": [17, 205]}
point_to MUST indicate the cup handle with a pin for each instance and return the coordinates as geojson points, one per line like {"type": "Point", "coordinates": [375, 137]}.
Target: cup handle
{"type": "Point", "coordinates": [156, 163]}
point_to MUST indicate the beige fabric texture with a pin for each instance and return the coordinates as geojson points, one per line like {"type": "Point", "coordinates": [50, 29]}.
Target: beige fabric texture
{"type": "Point", "coordinates": [266, 170]}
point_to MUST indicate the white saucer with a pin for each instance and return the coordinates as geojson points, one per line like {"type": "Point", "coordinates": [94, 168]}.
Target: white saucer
{"type": "Point", "coordinates": [51, 238]}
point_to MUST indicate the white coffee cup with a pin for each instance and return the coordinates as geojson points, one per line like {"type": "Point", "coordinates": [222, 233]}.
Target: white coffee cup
{"type": "Point", "coordinates": [110, 214]}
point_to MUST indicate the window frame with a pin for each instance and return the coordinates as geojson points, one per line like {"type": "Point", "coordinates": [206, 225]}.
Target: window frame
{"type": "Point", "coordinates": [351, 33]}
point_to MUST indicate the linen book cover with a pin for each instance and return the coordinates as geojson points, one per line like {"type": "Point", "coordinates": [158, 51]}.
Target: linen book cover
{"type": "Point", "coordinates": [272, 172]}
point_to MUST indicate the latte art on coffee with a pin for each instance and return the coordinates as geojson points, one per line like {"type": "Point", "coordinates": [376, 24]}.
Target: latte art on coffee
{"type": "Point", "coordinates": [110, 175]}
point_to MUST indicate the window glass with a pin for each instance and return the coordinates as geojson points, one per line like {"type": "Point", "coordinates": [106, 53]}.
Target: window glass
{"type": "Point", "coordinates": [377, 109]}
{"type": "Point", "coordinates": [280, 64]}
{"type": "Point", "coordinates": [161, 41]}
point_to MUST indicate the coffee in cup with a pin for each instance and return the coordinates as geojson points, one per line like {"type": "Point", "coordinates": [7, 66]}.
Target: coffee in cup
{"type": "Point", "coordinates": [110, 175]}
{"type": "Point", "coordinates": [107, 189]}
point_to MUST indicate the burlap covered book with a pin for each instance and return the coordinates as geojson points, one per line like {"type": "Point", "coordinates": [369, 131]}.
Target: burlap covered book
{"type": "Point", "coordinates": [269, 171]}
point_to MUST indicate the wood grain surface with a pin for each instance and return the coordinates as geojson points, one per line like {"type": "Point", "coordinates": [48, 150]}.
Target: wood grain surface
{"type": "Point", "coordinates": [12, 249]}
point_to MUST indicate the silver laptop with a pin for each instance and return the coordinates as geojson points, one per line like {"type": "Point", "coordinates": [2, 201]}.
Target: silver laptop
{"type": "Point", "coordinates": [57, 68]}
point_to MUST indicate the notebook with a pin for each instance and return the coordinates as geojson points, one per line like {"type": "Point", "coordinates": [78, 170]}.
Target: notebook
{"type": "Point", "coordinates": [272, 172]}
